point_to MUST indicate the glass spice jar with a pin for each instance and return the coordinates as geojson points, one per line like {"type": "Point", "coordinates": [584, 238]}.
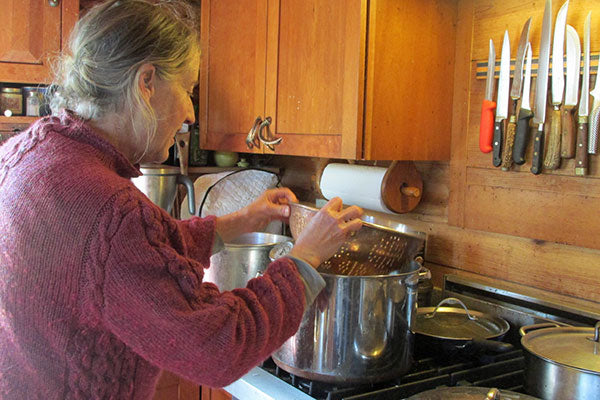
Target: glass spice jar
{"type": "Point", "coordinates": [11, 101]}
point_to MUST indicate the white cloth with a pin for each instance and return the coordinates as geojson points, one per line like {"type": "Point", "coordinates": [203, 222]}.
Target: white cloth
{"type": "Point", "coordinates": [229, 191]}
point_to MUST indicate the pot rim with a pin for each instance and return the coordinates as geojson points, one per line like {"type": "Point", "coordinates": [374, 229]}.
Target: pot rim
{"type": "Point", "coordinates": [526, 342]}
{"type": "Point", "coordinates": [270, 243]}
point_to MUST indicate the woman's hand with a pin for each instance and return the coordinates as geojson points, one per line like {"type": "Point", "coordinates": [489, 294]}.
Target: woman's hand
{"type": "Point", "coordinates": [326, 231]}
{"type": "Point", "coordinates": [271, 205]}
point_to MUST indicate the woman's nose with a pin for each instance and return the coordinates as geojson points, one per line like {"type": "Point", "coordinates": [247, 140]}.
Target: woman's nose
{"type": "Point", "coordinates": [190, 116]}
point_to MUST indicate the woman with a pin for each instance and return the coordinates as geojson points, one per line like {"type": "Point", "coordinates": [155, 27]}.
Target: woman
{"type": "Point", "coordinates": [99, 288]}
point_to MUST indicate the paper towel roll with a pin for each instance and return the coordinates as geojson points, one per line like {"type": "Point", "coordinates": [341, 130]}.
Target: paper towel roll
{"type": "Point", "coordinates": [355, 184]}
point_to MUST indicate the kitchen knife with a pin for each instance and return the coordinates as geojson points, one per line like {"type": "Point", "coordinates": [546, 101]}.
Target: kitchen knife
{"type": "Point", "coordinates": [541, 91]}
{"type": "Point", "coordinates": [581, 152]}
{"type": "Point", "coordinates": [567, 139]}
{"type": "Point", "coordinates": [525, 114]}
{"type": "Point", "coordinates": [515, 94]}
{"type": "Point", "coordinates": [486, 124]}
{"type": "Point", "coordinates": [593, 119]}
{"type": "Point", "coordinates": [552, 157]}
{"type": "Point", "coordinates": [502, 101]}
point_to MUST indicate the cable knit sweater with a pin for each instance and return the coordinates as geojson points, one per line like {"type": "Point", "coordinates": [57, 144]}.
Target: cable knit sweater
{"type": "Point", "coordinates": [100, 288]}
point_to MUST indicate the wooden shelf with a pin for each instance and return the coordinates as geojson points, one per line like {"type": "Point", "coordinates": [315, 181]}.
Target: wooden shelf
{"type": "Point", "coordinates": [17, 120]}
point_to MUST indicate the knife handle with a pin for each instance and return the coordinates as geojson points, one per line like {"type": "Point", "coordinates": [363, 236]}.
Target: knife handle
{"type": "Point", "coordinates": [497, 143]}
{"type": "Point", "coordinates": [507, 152]}
{"type": "Point", "coordinates": [486, 125]}
{"type": "Point", "coordinates": [581, 156]}
{"type": "Point", "coordinates": [593, 125]}
{"type": "Point", "coordinates": [522, 136]}
{"type": "Point", "coordinates": [552, 156]}
{"type": "Point", "coordinates": [567, 140]}
{"type": "Point", "coordinates": [538, 150]}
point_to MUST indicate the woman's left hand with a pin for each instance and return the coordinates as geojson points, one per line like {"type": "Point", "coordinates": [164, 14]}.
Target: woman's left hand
{"type": "Point", "coordinates": [271, 205]}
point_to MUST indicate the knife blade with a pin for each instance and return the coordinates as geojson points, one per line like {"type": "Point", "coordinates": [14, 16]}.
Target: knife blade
{"type": "Point", "coordinates": [515, 94]}
{"type": "Point", "coordinates": [567, 139]}
{"type": "Point", "coordinates": [525, 114]}
{"type": "Point", "coordinates": [486, 124]}
{"type": "Point", "coordinates": [552, 157]}
{"type": "Point", "coordinates": [539, 115]}
{"type": "Point", "coordinates": [581, 152]}
{"type": "Point", "coordinates": [593, 121]}
{"type": "Point", "coordinates": [502, 101]}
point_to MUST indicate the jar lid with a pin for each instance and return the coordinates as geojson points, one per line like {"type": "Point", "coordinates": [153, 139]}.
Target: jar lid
{"type": "Point", "coordinates": [570, 346]}
{"type": "Point", "coordinates": [11, 90]}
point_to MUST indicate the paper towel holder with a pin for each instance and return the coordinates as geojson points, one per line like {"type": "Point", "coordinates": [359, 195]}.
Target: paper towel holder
{"type": "Point", "coordinates": [402, 187]}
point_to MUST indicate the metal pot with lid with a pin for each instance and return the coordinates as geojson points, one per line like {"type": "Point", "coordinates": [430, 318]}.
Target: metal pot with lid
{"type": "Point", "coordinates": [454, 330]}
{"type": "Point", "coordinates": [562, 362]}
{"type": "Point", "coordinates": [470, 393]}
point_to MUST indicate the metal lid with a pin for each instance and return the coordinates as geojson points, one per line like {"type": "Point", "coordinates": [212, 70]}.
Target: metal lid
{"type": "Point", "coordinates": [458, 323]}
{"type": "Point", "coordinates": [159, 169]}
{"type": "Point", "coordinates": [574, 347]}
{"type": "Point", "coordinates": [468, 393]}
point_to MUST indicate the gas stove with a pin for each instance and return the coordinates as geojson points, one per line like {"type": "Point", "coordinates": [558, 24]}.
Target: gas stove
{"type": "Point", "coordinates": [502, 371]}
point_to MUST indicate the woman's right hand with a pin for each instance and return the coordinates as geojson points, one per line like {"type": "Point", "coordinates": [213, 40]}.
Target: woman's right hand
{"type": "Point", "coordinates": [326, 231]}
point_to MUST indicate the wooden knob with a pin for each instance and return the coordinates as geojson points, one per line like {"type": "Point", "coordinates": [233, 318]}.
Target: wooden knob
{"type": "Point", "coordinates": [402, 187]}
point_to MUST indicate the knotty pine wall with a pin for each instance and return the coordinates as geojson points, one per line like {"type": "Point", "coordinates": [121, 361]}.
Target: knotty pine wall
{"type": "Point", "coordinates": [538, 233]}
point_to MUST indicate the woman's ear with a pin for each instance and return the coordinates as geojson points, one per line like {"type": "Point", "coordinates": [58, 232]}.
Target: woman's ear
{"type": "Point", "coordinates": [147, 79]}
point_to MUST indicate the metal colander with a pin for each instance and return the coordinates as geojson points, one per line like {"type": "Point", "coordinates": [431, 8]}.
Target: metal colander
{"type": "Point", "coordinates": [372, 250]}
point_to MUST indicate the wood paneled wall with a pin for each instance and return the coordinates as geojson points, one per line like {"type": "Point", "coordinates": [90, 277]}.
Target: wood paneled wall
{"type": "Point", "coordinates": [538, 232]}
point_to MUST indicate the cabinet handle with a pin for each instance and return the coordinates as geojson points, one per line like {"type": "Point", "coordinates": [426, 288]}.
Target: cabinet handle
{"type": "Point", "coordinates": [270, 141]}
{"type": "Point", "coordinates": [252, 140]}
{"type": "Point", "coordinates": [54, 3]}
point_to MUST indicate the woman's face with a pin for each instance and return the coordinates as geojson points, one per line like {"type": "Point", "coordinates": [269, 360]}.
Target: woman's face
{"type": "Point", "coordinates": [173, 106]}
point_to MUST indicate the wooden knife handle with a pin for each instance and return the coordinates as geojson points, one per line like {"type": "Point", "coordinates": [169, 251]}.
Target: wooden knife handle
{"type": "Point", "coordinates": [497, 143]}
{"type": "Point", "coordinates": [522, 136]}
{"type": "Point", "coordinates": [552, 157]}
{"type": "Point", "coordinates": [507, 152]}
{"type": "Point", "coordinates": [567, 140]}
{"type": "Point", "coordinates": [581, 156]}
{"type": "Point", "coordinates": [486, 125]}
{"type": "Point", "coordinates": [538, 150]}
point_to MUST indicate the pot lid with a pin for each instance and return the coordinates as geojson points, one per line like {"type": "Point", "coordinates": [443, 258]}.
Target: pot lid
{"type": "Point", "coordinates": [458, 323]}
{"type": "Point", "coordinates": [468, 393]}
{"type": "Point", "coordinates": [574, 347]}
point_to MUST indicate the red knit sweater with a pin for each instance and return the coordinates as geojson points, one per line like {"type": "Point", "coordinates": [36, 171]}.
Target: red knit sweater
{"type": "Point", "coordinates": [100, 288]}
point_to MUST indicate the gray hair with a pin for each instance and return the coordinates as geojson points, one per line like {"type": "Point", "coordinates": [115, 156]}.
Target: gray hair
{"type": "Point", "coordinates": [108, 46]}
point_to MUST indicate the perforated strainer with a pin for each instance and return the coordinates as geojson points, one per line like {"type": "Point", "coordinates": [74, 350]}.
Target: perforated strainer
{"type": "Point", "coordinates": [374, 250]}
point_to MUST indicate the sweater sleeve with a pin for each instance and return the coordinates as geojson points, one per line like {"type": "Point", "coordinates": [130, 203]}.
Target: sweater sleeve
{"type": "Point", "coordinates": [154, 299]}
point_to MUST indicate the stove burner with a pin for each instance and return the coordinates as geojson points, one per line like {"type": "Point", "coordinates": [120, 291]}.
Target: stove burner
{"type": "Point", "coordinates": [503, 371]}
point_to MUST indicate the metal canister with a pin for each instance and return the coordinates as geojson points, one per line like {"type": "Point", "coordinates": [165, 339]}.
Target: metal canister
{"type": "Point", "coordinates": [11, 101]}
{"type": "Point", "coordinates": [33, 97]}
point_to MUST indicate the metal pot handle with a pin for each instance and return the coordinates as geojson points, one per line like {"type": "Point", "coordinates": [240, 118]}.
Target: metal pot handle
{"type": "Point", "coordinates": [452, 300]}
{"type": "Point", "coordinates": [525, 329]}
{"type": "Point", "coordinates": [185, 180]}
{"type": "Point", "coordinates": [596, 337]}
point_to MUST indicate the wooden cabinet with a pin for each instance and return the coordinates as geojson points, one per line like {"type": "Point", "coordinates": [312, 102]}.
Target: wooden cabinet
{"type": "Point", "coordinates": [215, 394]}
{"type": "Point", "coordinates": [30, 32]}
{"type": "Point", "coordinates": [340, 79]}
{"type": "Point", "coordinates": [172, 387]}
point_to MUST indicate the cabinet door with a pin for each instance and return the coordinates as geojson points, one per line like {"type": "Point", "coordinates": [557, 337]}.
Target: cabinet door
{"type": "Point", "coordinates": [232, 73]}
{"type": "Point", "coordinates": [30, 32]}
{"type": "Point", "coordinates": [315, 63]}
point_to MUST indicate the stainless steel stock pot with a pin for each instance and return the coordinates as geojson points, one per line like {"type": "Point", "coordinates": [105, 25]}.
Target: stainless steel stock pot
{"type": "Point", "coordinates": [242, 259]}
{"type": "Point", "coordinates": [358, 329]}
